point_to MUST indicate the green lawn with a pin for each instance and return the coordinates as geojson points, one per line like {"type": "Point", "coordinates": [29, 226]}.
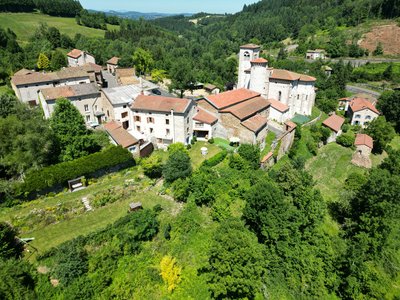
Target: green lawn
{"type": "Point", "coordinates": [395, 143]}
{"type": "Point", "coordinates": [268, 142]}
{"type": "Point", "coordinates": [223, 144]}
{"type": "Point", "coordinates": [24, 25]}
{"type": "Point", "coordinates": [195, 152]}
{"type": "Point", "coordinates": [330, 168]}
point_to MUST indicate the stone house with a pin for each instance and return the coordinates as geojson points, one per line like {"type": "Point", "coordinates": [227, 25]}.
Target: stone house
{"type": "Point", "coordinates": [112, 64]}
{"type": "Point", "coordinates": [85, 97]}
{"type": "Point", "coordinates": [297, 91]}
{"type": "Point", "coordinates": [364, 144]}
{"type": "Point", "coordinates": [334, 123]}
{"type": "Point", "coordinates": [78, 58]}
{"type": "Point", "coordinates": [163, 120]}
{"type": "Point", "coordinates": [361, 112]}
{"type": "Point", "coordinates": [119, 136]}
{"type": "Point", "coordinates": [315, 54]}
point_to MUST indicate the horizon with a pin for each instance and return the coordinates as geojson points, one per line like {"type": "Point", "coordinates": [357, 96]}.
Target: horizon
{"type": "Point", "coordinates": [168, 7]}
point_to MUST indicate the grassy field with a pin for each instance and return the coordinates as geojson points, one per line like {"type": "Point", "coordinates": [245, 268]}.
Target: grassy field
{"type": "Point", "coordinates": [24, 25]}
{"type": "Point", "coordinates": [195, 152]}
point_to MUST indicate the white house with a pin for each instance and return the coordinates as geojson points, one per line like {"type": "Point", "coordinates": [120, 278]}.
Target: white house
{"type": "Point", "coordinates": [315, 54]}
{"type": "Point", "coordinates": [83, 96]}
{"type": "Point", "coordinates": [112, 64]}
{"type": "Point", "coordinates": [78, 57]}
{"type": "Point", "coordinates": [296, 91]}
{"type": "Point", "coordinates": [204, 124]}
{"type": "Point", "coordinates": [163, 120]}
{"type": "Point", "coordinates": [334, 123]}
{"type": "Point", "coordinates": [361, 112]}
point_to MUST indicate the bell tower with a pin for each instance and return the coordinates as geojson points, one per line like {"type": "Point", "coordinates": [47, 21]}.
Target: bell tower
{"type": "Point", "coordinates": [247, 54]}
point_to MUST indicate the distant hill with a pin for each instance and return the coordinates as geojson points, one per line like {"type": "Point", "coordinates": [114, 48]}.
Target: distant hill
{"type": "Point", "coordinates": [135, 15]}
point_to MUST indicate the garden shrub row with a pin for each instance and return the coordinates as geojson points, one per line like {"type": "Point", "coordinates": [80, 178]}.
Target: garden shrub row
{"type": "Point", "coordinates": [59, 174]}
{"type": "Point", "coordinates": [215, 160]}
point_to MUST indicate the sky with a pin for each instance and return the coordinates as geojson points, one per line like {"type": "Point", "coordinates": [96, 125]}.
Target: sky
{"type": "Point", "coordinates": [168, 6]}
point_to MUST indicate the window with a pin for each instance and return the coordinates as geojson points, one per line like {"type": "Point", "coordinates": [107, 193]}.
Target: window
{"type": "Point", "coordinates": [306, 97]}
{"type": "Point", "coordinates": [246, 55]}
{"type": "Point", "coordinates": [137, 118]}
{"type": "Point", "coordinates": [108, 113]}
{"type": "Point", "coordinates": [159, 141]}
{"type": "Point", "coordinates": [366, 123]}
{"type": "Point", "coordinates": [167, 121]}
{"type": "Point", "coordinates": [132, 149]}
{"type": "Point", "coordinates": [138, 128]}
{"type": "Point", "coordinates": [358, 116]}
{"type": "Point", "coordinates": [356, 123]}
{"type": "Point", "coordinates": [367, 117]}
{"type": "Point", "coordinates": [150, 120]}
{"type": "Point", "coordinates": [298, 97]}
{"type": "Point", "coordinates": [167, 131]}
{"type": "Point", "coordinates": [87, 118]}
{"type": "Point", "coordinates": [86, 107]}
{"type": "Point", "coordinates": [95, 107]}
{"type": "Point", "coordinates": [151, 130]}
{"type": "Point", "coordinates": [124, 114]}
{"type": "Point", "coordinates": [124, 106]}
{"type": "Point", "coordinates": [279, 95]}
{"type": "Point", "coordinates": [200, 125]}
{"type": "Point", "coordinates": [187, 121]}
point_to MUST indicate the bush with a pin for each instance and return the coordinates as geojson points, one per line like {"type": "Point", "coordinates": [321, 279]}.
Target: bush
{"type": "Point", "coordinates": [215, 160]}
{"type": "Point", "coordinates": [346, 139]}
{"type": "Point", "coordinates": [194, 140]}
{"type": "Point", "coordinates": [251, 153]}
{"type": "Point", "coordinates": [211, 141]}
{"type": "Point", "coordinates": [37, 181]}
{"type": "Point", "coordinates": [177, 166]}
{"type": "Point", "coordinates": [152, 166]}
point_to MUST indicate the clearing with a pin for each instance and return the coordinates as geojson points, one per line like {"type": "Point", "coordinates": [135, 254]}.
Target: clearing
{"type": "Point", "coordinates": [25, 24]}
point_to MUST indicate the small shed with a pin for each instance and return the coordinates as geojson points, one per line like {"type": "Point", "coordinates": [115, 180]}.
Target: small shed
{"type": "Point", "coordinates": [334, 123]}
{"type": "Point", "coordinates": [364, 144]}
{"type": "Point", "coordinates": [135, 206]}
{"type": "Point", "coordinates": [211, 89]}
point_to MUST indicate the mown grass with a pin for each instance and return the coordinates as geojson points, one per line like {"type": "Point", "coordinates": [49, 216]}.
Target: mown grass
{"type": "Point", "coordinates": [268, 143]}
{"type": "Point", "coordinates": [195, 152]}
{"type": "Point", "coordinates": [25, 24]}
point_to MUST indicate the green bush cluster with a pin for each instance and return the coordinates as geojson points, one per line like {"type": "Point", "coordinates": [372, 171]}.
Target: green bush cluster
{"type": "Point", "coordinates": [215, 160]}
{"type": "Point", "coordinates": [36, 181]}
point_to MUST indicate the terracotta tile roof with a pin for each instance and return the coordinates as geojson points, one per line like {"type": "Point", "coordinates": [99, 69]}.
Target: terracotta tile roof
{"type": "Point", "coordinates": [204, 117]}
{"type": "Point", "coordinates": [291, 124]}
{"type": "Point", "coordinates": [266, 157]}
{"type": "Point", "coordinates": [247, 108]}
{"type": "Point", "coordinates": [35, 77]}
{"type": "Point", "coordinates": [119, 134]}
{"type": "Point", "coordinates": [290, 76]}
{"type": "Point", "coordinates": [113, 60]}
{"type": "Point", "coordinates": [209, 86]}
{"type": "Point", "coordinates": [160, 104]}
{"type": "Point", "coordinates": [279, 106]}
{"type": "Point", "coordinates": [358, 104]}
{"type": "Point", "coordinates": [364, 139]}
{"type": "Point", "coordinates": [250, 46]}
{"type": "Point", "coordinates": [344, 99]}
{"type": "Point", "coordinates": [255, 123]}
{"type": "Point", "coordinates": [75, 53]}
{"type": "Point", "coordinates": [229, 98]}
{"type": "Point", "coordinates": [23, 72]}
{"type": "Point", "coordinates": [334, 122]}
{"type": "Point", "coordinates": [259, 60]}
{"type": "Point", "coordinates": [68, 91]}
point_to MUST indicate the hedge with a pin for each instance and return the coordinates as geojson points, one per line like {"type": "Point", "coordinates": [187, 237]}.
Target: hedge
{"type": "Point", "coordinates": [59, 174]}
{"type": "Point", "coordinates": [215, 160]}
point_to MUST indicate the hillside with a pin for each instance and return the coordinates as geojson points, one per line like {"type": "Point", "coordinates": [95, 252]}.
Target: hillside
{"type": "Point", "coordinates": [24, 24]}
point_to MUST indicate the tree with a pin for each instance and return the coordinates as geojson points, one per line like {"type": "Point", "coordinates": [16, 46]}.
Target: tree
{"type": "Point", "coordinates": [177, 166]}
{"type": "Point", "coordinates": [58, 60]}
{"type": "Point", "coordinates": [382, 133]}
{"type": "Point", "coordinates": [251, 153]}
{"type": "Point", "coordinates": [8, 104]}
{"type": "Point", "coordinates": [70, 130]}
{"type": "Point", "coordinates": [388, 73]}
{"type": "Point", "coordinates": [170, 272]}
{"type": "Point", "coordinates": [10, 245]}
{"type": "Point", "coordinates": [177, 147]}
{"type": "Point", "coordinates": [182, 75]}
{"type": "Point", "coordinates": [152, 166]}
{"type": "Point", "coordinates": [158, 75]}
{"type": "Point", "coordinates": [388, 104]}
{"type": "Point", "coordinates": [378, 50]}
{"type": "Point", "coordinates": [346, 139]}
{"type": "Point", "coordinates": [235, 265]}
{"type": "Point", "coordinates": [43, 62]}
{"type": "Point", "coordinates": [143, 61]}
{"type": "Point", "coordinates": [282, 53]}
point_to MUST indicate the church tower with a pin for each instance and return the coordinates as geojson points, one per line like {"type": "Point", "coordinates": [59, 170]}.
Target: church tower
{"type": "Point", "coordinates": [259, 76]}
{"type": "Point", "coordinates": [247, 53]}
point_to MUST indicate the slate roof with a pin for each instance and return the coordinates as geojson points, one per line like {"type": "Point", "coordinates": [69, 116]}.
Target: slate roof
{"type": "Point", "coordinates": [204, 117]}
{"type": "Point", "coordinates": [161, 104]}
{"type": "Point", "coordinates": [230, 98]}
{"type": "Point", "coordinates": [120, 135]}
{"type": "Point", "coordinates": [69, 91]}
{"type": "Point", "coordinates": [364, 139]}
{"type": "Point", "coordinates": [334, 122]}
{"type": "Point", "coordinates": [255, 123]}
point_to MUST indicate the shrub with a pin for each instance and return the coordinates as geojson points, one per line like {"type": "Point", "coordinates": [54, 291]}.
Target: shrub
{"type": "Point", "coordinates": [211, 141]}
{"type": "Point", "coordinates": [215, 160]}
{"type": "Point", "coordinates": [152, 166]}
{"type": "Point", "coordinates": [194, 140]}
{"type": "Point", "coordinates": [37, 181]}
{"type": "Point", "coordinates": [346, 139]}
{"type": "Point", "coordinates": [251, 153]}
{"type": "Point", "coordinates": [177, 166]}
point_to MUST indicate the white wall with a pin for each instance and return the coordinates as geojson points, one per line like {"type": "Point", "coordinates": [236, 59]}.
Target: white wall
{"type": "Point", "coordinates": [363, 117]}
{"type": "Point", "coordinates": [244, 64]}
